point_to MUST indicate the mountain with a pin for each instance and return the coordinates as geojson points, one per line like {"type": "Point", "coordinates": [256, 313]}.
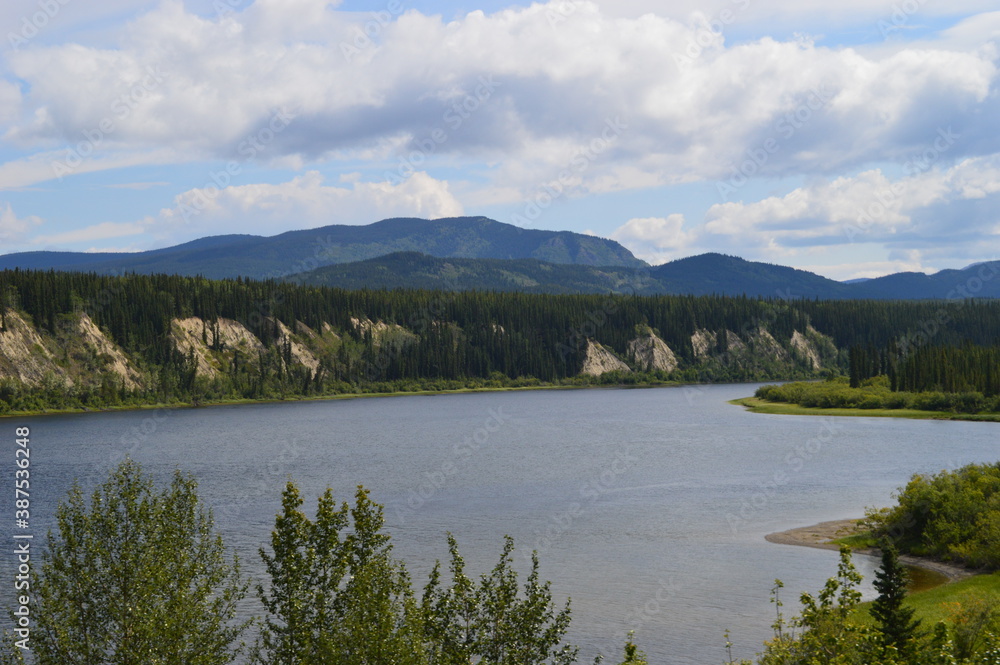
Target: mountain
{"type": "Point", "coordinates": [477, 253]}
{"type": "Point", "coordinates": [420, 271]}
{"type": "Point", "coordinates": [705, 274]}
{"type": "Point", "coordinates": [299, 251]}
{"type": "Point", "coordinates": [720, 274]}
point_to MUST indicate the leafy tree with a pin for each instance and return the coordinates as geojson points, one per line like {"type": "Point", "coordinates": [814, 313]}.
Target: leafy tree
{"type": "Point", "coordinates": [830, 633]}
{"type": "Point", "coordinates": [491, 620]}
{"type": "Point", "coordinates": [136, 576]}
{"type": "Point", "coordinates": [894, 620]}
{"type": "Point", "coordinates": [336, 597]}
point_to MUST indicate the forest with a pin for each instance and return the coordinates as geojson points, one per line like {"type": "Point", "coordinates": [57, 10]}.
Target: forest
{"type": "Point", "coordinates": [367, 341]}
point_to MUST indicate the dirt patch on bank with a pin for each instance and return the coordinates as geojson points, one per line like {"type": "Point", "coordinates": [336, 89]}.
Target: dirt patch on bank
{"type": "Point", "coordinates": [820, 536]}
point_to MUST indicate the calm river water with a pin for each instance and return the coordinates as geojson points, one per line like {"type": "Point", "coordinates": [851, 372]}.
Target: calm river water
{"type": "Point", "coordinates": [648, 507]}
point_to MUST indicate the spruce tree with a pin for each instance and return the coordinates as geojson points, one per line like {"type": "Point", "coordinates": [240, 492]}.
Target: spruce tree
{"type": "Point", "coordinates": [894, 620]}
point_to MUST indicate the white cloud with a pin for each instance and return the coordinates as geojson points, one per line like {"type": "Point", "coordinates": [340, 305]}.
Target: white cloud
{"type": "Point", "coordinates": [200, 86]}
{"type": "Point", "coordinates": [102, 231]}
{"type": "Point", "coordinates": [303, 202]}
{"type": "Point", "coordinates": [655, 239]}
{"type": "Point", "coordinates": [14, 229]}
{"type": "Point", "coordinates": [939, 213]}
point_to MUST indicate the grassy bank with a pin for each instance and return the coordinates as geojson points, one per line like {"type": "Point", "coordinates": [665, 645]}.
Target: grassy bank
{"type": "Point", "coordinates": [758, 405]}
{"type": "Point", "coordinates": [942, 602]}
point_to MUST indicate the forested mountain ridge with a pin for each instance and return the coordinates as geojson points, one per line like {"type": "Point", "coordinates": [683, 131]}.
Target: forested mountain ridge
{"type": "Point", "coordinates": [90, 340]}
{"type": "Point", "coordinates": [706, 274]}
{"type": "Point", "coordinates": [477, 253]}
{"type": "Point", "coordinates": [233, 256]}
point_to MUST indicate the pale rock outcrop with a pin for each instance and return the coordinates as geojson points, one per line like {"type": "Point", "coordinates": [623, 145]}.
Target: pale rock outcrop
{"type": "Point", "coordinates": [703, 341]}
{"type": "Point", "coordinates": [599, 360]}
{"type": "Point", "coordinates": [382, 332]}
{"type": "Point", "coordinates": [199, 336]}
{"type": "Point", "coordinates": [116, 361]}
{"type": "Point", "coordinates": [806, 348]}
{"type": "Point", "coordinates": [650, 353]}
{"type": "Point", "coordinates": [733, 341]}
{"type": "Point", "coordinates": [299, 353]}
{"type": "Point", "coordinates": [765, 343]}
{"type": "Point", "coordinates": [23, 354]}
{"type": "Point", "coordinates": [187, 338]}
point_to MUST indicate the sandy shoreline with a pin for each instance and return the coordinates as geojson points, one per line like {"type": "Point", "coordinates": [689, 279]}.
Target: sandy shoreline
{"type": "Point", "coordinates": [820, 535]}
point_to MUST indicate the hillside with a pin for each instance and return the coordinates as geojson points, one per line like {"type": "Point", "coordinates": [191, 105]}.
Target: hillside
{"type": "Point", "coordinates": [299, 251]}
{"type": "Point", "coordinates": [87, 341]}
{"type": "Point", "coordinates": [420, 271]}
{"type": "Point", "coordinates": [706, 274]}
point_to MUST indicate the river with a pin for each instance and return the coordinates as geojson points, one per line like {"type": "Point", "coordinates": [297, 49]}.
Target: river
{"type": "Point", "coordinates": [648, 507]}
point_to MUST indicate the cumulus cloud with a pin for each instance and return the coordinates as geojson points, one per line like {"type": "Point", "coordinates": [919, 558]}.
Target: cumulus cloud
{"type": "Point", "coordinates": [496, 88]}
{"type": "Point", "coordinates": [303, 202]}
{"type": "Point", "coordinates": [655, 239]}
{"type": "Point", "coordinates": [14, 229]}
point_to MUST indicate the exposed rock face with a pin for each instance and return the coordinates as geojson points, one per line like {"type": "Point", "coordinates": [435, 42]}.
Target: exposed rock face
{"type": "Point", "coordinates": [733, 341]}
{"type": "Point", "coordinates": [299, 353]}
{"type": "Point", "coordinates": [650, 353]}
{"type": "Point", "coordinates": [600, 360]}
{"type": "Point", "coordinates": [806, 348]}
{"type": "Point", "coordinates": [384, 333]}
{"type": "Point", "coordinates": [703, 341]}
{"type": "Point", "coordinates": [200, 336]}
{"type": "Point", "coordinates": [328, 330]}
{"type": "Point", "coordinates": [115, 360]}
{"type": "Point", "coordinates": [764, 343]}
{"type": "Point", "coordinates": [23, 354]}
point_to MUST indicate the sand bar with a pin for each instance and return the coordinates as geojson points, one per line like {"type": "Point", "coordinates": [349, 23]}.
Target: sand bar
{"type": "Point", "coordinates": [820, 536]}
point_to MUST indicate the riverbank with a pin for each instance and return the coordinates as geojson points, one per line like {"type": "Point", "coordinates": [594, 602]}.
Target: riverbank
{"type": "Point", "coordinates": [757, 405]}
{"type": "Point", "coordinates": [824, 535]}
{"type": "Point", "coordinates": [326, 398]}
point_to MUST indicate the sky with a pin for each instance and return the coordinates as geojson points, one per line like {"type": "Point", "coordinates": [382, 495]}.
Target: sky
{"type": "Point", "coordinates": [853, 139]}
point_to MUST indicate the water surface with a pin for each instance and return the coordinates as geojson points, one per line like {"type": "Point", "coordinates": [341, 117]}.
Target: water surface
{"type": "Point", "coordinates": [648, 507]}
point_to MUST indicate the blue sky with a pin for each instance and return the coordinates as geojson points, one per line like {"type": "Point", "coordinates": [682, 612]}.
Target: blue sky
{"type": "Point", "coordinates": [852, 139]}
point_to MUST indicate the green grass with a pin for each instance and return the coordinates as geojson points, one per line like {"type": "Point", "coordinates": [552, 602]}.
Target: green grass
{"type": "Point", "coordinates": [857, 541]}
{"type": "Point", "coordinates": [939, 603]}
{"type": "Point", "coordinates": [758, 405]}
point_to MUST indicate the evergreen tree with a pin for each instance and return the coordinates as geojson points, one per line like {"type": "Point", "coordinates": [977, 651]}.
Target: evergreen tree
{"type": "Point", "coordinates": [894, 620]}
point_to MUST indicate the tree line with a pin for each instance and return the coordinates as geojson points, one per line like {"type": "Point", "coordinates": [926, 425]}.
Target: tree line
{"type": "Point", "coordinates": [458, 339]}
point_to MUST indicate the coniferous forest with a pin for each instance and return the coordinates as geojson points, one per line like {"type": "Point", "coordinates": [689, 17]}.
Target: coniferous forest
{"type": "Point", "coordinates": [189, 339]}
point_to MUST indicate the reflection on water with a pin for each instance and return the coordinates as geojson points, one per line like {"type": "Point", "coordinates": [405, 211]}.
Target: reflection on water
{"type": "Point", "coordinates": [922, 579]}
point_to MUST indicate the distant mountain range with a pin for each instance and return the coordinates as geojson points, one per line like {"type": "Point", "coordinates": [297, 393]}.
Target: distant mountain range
{"type": "Point", "coordinates": [220, 257]}
{"type": "Point", "coordinates": [465, 253]}
{"type": "Point", "coordinates": [697, 275]}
